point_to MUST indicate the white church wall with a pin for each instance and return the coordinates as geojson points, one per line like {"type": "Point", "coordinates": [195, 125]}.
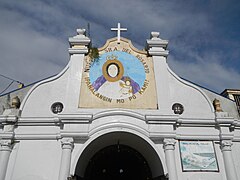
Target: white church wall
{"type": "Point", "coordinates": [220, 161]}
{"type": "Point", "coordinates": [64, 88]}
{"type": "Point", "coordinates": [74, 82]}
{"type": "Point", "coordinates": [178, 161]}
{"type": "Point", "coordinates": [194, 100]}
{"type": "Point", "coordinates": [162, 86]}
{"type": "Point", "coordinates": [236, 157]}
{"type": "Point", "coordinates": [40, 98]}
{"type": "Point", "coordinates": [37, 132]}
{"type": "Point", "coordinates": [161, 129]}
{"type": "Point", "coordinates": [202, 176]}
{"type": "Point", "coordinates": [79, 147]}
{"type": "Point", "coordinates": [35, 159]}
{"type": "Point", "coordinates": [197, 133]}
{"type": "Point", "coordinates": [160, 149]}
{"type": "Point", "coordinates": [12, 160]}
{"type": "Point", "coordinates": [118, 121]}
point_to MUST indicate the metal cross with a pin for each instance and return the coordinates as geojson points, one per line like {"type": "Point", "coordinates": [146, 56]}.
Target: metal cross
{"type": "Point", "coordinates": [118, 29]}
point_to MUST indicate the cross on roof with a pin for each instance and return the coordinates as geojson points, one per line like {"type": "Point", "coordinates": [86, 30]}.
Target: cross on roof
{"type": "Point", "coordinates": [118, 29]}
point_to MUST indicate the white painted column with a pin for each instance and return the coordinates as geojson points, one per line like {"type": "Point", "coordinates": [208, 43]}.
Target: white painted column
{"type": "Point", "coordinates": [157, 49]}
{"type": "Point", "coordinates": [226, 146]}
{"type": "Point", "coordinates": [78, 48]}
{"type": "Point", "coordinates": [5, 151]}
{"type": "Point", "coordinates": [67, 147]}
{"type": "Point", "coordinates": [169, 147]}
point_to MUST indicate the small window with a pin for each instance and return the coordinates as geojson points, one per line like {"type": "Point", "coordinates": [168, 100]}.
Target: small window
{"type": "Point", "coordinates": [237, 100]}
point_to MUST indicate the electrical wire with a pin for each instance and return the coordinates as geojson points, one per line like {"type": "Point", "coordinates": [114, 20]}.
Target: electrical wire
{"type": "Point", "coordinates": [7, 87]}
{"type": "Point", "coordinates": [12, 81]}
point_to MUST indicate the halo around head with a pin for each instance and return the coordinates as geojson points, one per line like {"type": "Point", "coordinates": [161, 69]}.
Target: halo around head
{"type": "Point", "coordinates": [112, 69]}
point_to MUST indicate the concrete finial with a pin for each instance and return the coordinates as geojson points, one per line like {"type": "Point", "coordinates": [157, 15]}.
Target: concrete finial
{"type": "Point", "coordinates": [81, 31]}
{"type": "Point", "coordinates": [154, 35]}
{"type": "Point", "coordinates": [217, 105]}
{"type": "Point", "coordinates": [16, 102]}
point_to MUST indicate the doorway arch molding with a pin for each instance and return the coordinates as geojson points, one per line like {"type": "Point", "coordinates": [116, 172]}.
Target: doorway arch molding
{"type": "Point", "coordinates": [128, 134]}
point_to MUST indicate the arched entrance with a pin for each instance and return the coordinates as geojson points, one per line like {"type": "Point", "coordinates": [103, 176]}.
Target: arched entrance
{"type": "Point", "coordinates": [119, 156]}
{"type": "Point", "coordinates": [119, 162]}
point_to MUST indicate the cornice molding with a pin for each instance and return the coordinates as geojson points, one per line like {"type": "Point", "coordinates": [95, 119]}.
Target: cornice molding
{"type": "Point", "coordinates": [173, 119]}
{"type": "Point", "coordinates": [83, 50]}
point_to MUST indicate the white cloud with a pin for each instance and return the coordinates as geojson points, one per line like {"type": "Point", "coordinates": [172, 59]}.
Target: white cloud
{"type": "Point", "coordinates": [28, 55]}
{"type": "Point", "coordinates": [33, 36]}
{"type": "Point", "coordinates": [209, 73]}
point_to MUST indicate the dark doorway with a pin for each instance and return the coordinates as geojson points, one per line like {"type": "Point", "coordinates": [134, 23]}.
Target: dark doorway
{"type": "Point", "coordinates": [117, 162]}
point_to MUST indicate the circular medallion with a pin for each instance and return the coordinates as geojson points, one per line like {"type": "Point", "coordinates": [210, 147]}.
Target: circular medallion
{"type": "Point", "coordinates": [117, 75]}
{"type": "Point", "coordinates": [112, 70]}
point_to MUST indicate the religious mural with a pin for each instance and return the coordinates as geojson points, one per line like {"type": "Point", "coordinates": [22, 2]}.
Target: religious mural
{"type": "Point", "coordinates": [117, 75]}
{"type": "Point", "coordinates": [121, 77]}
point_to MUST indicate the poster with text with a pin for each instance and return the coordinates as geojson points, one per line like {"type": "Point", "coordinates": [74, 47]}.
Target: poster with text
{"type": "Point", "coordinates": [198, 156]}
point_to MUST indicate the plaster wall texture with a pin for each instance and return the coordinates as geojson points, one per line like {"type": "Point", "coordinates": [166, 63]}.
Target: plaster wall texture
{"type": "Point", "coordinates": [65, 88]}
{"type": "Point", "coordinates": [195, 101]}
{"type": "Point", "coordinates": [34, 159]}
{"type": "Point", "coordinates": [235, 153]}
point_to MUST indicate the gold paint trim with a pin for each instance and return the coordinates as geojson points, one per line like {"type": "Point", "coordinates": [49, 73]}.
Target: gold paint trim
{"type": "Point", "coordinates": [120, 70]}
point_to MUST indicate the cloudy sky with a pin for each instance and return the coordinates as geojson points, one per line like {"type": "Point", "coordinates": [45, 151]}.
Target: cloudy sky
{"type": "Point", "coordinates": [204, 36]}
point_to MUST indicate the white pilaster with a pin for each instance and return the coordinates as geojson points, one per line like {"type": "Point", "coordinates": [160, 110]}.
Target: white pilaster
{"type": "Point", "coordinates": [226, 146]}
{"type": "Point", "coordinates": [169, 147]}
{"type": "Point", "coordinates": [67, 147]}
{"type": "Point", "coordinates": [79, 46]}
{"type": "Point", "coordinates": [5, 151]}
{"type": "Point", "coordinates": [157, 49]}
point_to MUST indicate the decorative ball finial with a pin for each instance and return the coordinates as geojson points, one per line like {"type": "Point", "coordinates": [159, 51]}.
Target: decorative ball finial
{"type": "Point", "coordinates": [154, 35]}
{"type": "Point", "coordinates": [81, 31]}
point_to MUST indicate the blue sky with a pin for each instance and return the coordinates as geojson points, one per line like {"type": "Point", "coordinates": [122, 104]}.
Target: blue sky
{"type": "Point", "coordinates": [204, 36]}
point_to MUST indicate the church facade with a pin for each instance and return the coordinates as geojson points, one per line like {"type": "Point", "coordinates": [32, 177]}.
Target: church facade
{"type": "Point", "coordinates": [117, 112]}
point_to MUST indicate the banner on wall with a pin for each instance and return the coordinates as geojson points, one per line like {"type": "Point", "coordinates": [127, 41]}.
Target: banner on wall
{"type": "Point", "coordinates": [198, 156]}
